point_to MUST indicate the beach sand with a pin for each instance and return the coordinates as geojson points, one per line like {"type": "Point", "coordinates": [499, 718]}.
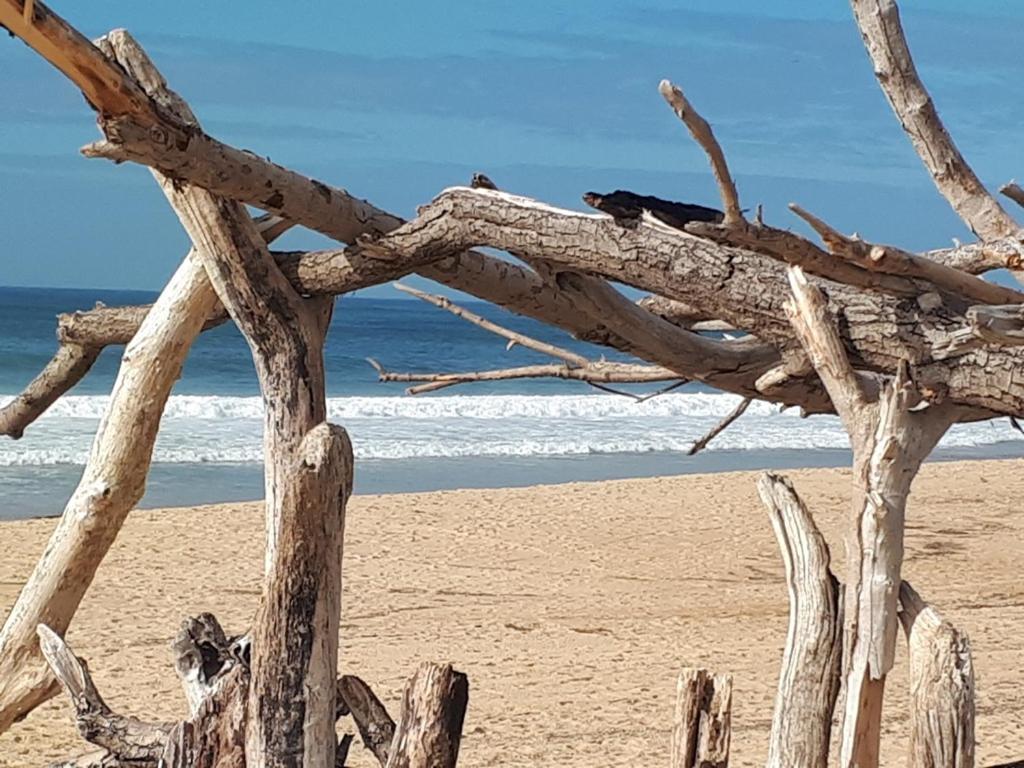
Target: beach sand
{"type": "Point", "coordinates": [570, 607]}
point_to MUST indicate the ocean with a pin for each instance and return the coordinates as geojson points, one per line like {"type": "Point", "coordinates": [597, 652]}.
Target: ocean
{"type": "Point", "coordinates": [475, 435]}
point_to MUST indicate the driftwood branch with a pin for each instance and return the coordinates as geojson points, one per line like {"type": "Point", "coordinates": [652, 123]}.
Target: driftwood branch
{"type": "Point", "coordinates": [895, 261]}
{"type": "Point", "coordinates": [123, 738]}
{"type": "Point", "coordinates": [376, 728]}
{"type": "Point", "coordinates": [702, 726]}
{"type": "Point", "coordinates": [481, 322]}
{"type": "Point", "coordinates": [703, 135]}
{"type": "Point", "coordinates": [1014, 191]}
{"type": "Point", "coordinates": [702, 442]}
{"type": "Point", "coordinates": [941, 687]}
{"type": "Point", "coordinates": [429, 729]}
{"type": "Point", "coordinates": [810, 677]}
{"type": "Point", "coordinates": [889, 443]}
{"type": "Point", "coordinates": [886, 44]}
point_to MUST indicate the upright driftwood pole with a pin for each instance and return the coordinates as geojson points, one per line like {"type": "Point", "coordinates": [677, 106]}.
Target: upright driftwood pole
{"type": "Point", "coordinates": [811, 664]}
{"type": "Point", "coordinates": [889, 442]}
{"type": "Point", "coordinates": [291, 710]}
{"type": "Point", "coordinates": [702, 725]}
{"type": "Point", "coordinates": [941, 687]}
{"type": "Point", "coordinates": [429, 729]}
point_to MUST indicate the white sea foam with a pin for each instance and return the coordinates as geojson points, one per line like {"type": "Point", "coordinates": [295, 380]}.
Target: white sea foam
{"type": "Point", "coordinates": [221, 429]}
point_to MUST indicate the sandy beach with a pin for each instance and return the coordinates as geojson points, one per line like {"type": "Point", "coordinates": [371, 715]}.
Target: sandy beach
{"type": "Point", "coordinates": [571, 607]}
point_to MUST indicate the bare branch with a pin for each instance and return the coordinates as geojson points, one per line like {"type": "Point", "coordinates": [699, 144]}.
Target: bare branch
{"type": "Point", "coordinates": [68, 366]}
{"type": "Point", "coordinates": [602, 372]}
{"type": "Point", "coordinates": [125, 737]}
{"type": "Point", "coordinates": [1014, 191]}
{"type": "Point", "coordinates": [515, 338]}
{"type": "Point", "coordinates": [376, 728]}
{"type": "Point", "coordinates": [895, 261]}
{"type": "Point", "coordinates": [880, 27]}
{"type": "Point", "coordinates": [817, 332]}
{"type": "Point", "coordinates": [703, 135]}
{"type": "Point", "coordinates": [701, 443]}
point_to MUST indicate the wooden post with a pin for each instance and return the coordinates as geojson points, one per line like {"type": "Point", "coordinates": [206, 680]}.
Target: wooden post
{"type": "Point", "coordinates": [429, 729]}
{"type": "Point", "coordinates": [702, 726]}
{"type": "Point", "coordinates": [889, 442]}
{"type": "Point", "coordinates": [941, 687]}
{"type": "Point", "coordinates": [810, 675]}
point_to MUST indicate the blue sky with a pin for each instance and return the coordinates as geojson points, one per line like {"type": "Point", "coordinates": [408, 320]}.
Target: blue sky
{"type": "Point", "coordinates": [395, 100]}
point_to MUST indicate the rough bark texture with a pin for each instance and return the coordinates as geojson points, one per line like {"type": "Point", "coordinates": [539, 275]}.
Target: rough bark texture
{"type": "Point", "coordinates": [811, 663]}
{"type": "Point", "coordinates": [941, 687]}
{"type": "Point", "coordinates": [123, 739]}
{"type": "Point", "coordinates": [429, 728]}
{"type": "Point", "coordinates": [295, 640]}
{"type": "Point", "coordinates": [702, 726]}
{"type": "Point", "coordinates": [748, 289]}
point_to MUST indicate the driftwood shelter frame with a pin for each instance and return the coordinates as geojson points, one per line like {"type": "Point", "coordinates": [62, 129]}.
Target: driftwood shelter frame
{"type": "Point", "coordinates": [900, 345]}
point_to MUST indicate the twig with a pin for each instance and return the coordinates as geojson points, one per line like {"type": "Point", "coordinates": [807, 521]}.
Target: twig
{"type": "Point", "coordinates": [526, 341]}
{"type": "Point", "coordinates": [594, 373]}
{"type": "Point", "coordinates": [703, 135]}
{"type": "Point", "coordinates": [1014, 191]}
{"type": "Point", "coordinates": [720, 427]}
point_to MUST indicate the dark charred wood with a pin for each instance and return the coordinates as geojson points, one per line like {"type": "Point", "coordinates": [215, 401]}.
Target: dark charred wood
{"type": "Point", "coordinates": [482, 181]}
{"type": "Point", "coordinates": [627, 208]}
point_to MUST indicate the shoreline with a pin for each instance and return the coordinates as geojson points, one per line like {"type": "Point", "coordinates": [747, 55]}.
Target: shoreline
{"type": "Point", "coordinates": [571, 607]}
{"type": "Point", "coordinates": [41, 492]}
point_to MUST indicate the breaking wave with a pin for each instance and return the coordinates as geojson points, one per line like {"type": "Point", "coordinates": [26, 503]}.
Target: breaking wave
{"type": "Point", "coordinates": [224, 429]}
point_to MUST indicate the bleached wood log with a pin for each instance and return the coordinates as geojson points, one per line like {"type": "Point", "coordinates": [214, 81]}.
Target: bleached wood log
{"type": "Point", "coordinates": [810, 674]}
{"type": "Point", "coordinates": [376, 728]}
{"type": "Point", "coordinates": [702, 725]}
{"type": "Point", "coordinates": [123, 738]}
{"type": "Point", "coordinates": [886, 44]}
{"type": "Point", "coordinates": [750, 290]}
{"type": "Point", "coordinates": [429, 728]}
{"type": "Point", "coordinates": [291, 709]}
{"type": "Point", "coordinates": [112, 483]}
{"type": "Point", "coordinates": [295, 636]}
{"type": "Point", "coordinates": [941, 687]}
{"type": "Point", "coordinates": [889, 443]}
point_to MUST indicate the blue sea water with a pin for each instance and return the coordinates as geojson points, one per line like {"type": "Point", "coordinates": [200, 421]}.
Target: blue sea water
{"type": "Point", "coordinates": [487, 434]}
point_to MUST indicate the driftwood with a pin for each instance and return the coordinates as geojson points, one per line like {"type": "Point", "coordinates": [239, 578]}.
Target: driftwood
{"type": "Point", "coordinates": [941, 687]}
{"type": "Point", "coordinates": [122, 738]}
{"type": "Point", "coordinates": [901, 345]}
{"type": "Point", "coordinates": [429, 728]}
{"type": "Point", "coordinates": [889, 443]}
{"type": "Point", "coordinates": [702, 726]}
{"type": "Point", "coordinates": [376, 728]}
{"type": "Point", "coordinates": [811, 665]}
